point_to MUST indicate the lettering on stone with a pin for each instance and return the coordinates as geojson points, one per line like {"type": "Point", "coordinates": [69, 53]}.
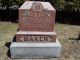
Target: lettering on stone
{"type": "Point", "coordinates": [26, 13]}
{"type": "Point", "coordinates": [36, 38]}
{"type": "Point", "coordinates": [46, 13]}
{"type": "Point", "coordinates": [22, 38]}
{"type": "Point", "coordinates": [37, 6]}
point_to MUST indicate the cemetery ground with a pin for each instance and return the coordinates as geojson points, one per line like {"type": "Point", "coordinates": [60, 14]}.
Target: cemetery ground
{"type": "Point", "coordinates": [68, 36]}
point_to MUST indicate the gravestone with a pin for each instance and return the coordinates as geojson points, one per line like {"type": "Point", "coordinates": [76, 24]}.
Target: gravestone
{"type": "Point", "coordinates": [36, 37]}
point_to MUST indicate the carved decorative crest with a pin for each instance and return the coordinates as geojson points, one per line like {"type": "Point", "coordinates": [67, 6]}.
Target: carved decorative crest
{"type": "Point", "coordinates": [36, 6]}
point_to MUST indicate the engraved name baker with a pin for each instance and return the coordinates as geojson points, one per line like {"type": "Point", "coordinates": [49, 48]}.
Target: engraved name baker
{"type": "Point", "coordinates": [36, 38]}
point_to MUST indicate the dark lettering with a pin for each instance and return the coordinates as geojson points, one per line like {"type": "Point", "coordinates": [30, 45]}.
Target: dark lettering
{"type": "Point", "coordinates": [31, 38]}
{"type": "Point", "coordinates": [50, 38]}
{"type": "Point", "coordinates": [36, 38]}
{"type": "Point", "coordinates": [41, 38]}
{"type": "Point", "coordinates": [46, 38]}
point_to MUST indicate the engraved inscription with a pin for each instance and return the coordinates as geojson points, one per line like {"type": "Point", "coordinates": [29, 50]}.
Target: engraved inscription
{"type": "Point", "coordinates": [26, 13]}
{"type": "Point", "coordinates": [37, 18]}
{"type": "Point", "coordinates": [36, 38]}
{"type": "Point", "coordinates": [37, 6]}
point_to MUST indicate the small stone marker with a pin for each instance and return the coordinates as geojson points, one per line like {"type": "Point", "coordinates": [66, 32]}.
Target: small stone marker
{"type": "Point", "coordinates": [36, 29]}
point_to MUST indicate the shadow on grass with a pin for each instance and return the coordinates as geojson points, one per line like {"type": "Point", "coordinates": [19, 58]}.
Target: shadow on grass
{"type": "Point", "coordinates": [77, 39]}
{"type": "Point", "coordinates": [8, 46]}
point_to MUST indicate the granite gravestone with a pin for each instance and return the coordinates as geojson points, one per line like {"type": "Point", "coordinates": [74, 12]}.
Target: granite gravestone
{"type": "Point", "coordinates": [36, 29]}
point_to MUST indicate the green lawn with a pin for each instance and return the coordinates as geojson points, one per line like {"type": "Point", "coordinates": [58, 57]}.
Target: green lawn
{"type": "Point", "coordinates": [66, 34]}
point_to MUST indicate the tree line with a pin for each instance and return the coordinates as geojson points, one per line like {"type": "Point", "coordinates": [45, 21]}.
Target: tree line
{"type": "Point", "coordinates": [60, 5]}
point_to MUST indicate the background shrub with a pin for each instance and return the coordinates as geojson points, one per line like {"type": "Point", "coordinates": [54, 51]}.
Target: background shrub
{"type": "Point", "coordinates": [60, 5]}
{"type": "Point", "coordinates": [68, 5]}
{"type": "Point", "coordinates": [10, 4]}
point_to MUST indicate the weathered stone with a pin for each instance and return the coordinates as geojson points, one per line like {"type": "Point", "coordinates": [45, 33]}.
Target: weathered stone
{"type": "Point", "coordinates": [26, 36]}
{"type": "Point", "coordinates": [37, 16]}
{"type": "Point", "coordinates": [36, 37]}
{"type": "Point", "coordinates": [35, 50]}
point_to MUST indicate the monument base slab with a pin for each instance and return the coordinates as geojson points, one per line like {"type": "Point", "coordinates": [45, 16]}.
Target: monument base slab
{"type": "Point", "coordinates": [35, 50]}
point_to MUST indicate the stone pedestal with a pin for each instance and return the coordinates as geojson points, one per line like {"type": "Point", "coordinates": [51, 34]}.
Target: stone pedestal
{"type": "Point", "coordinates": [36, 37]}
{"type": "Point", "coordinates": [35, 50]}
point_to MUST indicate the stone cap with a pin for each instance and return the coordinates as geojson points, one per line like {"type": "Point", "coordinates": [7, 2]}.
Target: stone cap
{"type": "Point", "coordinates": [28, 5]}
{"type": "Point", "coordinates": [36, 33]}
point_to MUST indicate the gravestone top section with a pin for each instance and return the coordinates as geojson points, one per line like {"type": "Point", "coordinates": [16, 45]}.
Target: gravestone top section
{"type": "Point", "coordinates": [37, 16]}
{"type": "Point", "coordinates": [28, 5]}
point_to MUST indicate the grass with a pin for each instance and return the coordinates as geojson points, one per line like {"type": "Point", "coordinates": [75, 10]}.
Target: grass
{"type": "Point", "coordinates": [67, 35]}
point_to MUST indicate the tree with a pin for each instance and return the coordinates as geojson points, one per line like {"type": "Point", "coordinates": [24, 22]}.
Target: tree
{"type": "Point", "coordinates": [7, 4]}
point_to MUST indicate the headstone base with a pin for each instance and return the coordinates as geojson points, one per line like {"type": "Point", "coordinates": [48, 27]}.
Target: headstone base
{"type": "Point", "coordinates": [35, 50]}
